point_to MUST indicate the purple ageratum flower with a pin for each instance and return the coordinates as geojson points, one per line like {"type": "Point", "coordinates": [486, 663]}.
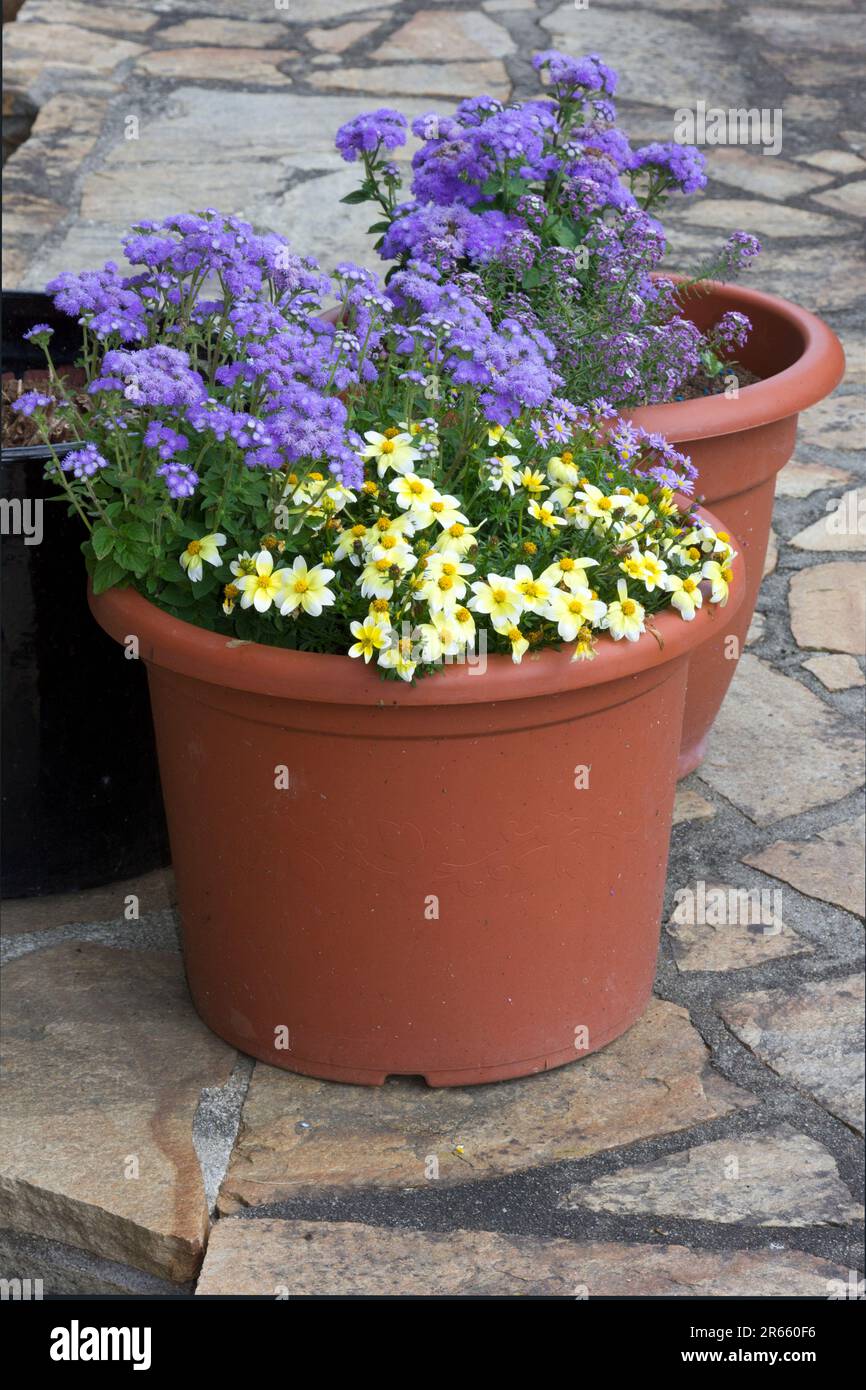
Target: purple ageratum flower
{"type": "Point", "coordinates": [683, 165]}
{"type": "Point", "coordinates": [444, 236]}
{"type": "Point", "coordinates": [155, 376]}
{"type": "Point", "coordinates": [39, 331]}
{"type": "Point", "coordinates": [104, 301]}
{"type": "Point", "coordinates": [165, 440]}
{"type": "Point", "coordinates": [575, 79]}
{"type": "Point", "coordinates": [180, 480]}
{"type": "Point", "coordinates": [369, 132]}
{"type": "Point", "coordinates": [29, 401]}
{"type": "Point", "coordinates": [84, 463]}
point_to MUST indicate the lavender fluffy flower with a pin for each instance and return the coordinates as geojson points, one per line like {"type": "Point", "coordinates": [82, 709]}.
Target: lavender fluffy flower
{"type": "Point", "coordinates": [368, 132]}
{"type": "Point", "coordinates": [29, 401]}
{"type": "Point", "coordinates": [102, 300]}
{"type": "Point", "coordinates": [83, 463]}
{"type": "Point", "coordinates": [165, 440]}
{"type": "Point", "coordinates": [155, 376]}
{"type": "Point", "coordinates": [682, 165]}
{"type": "Point", "coordinates": [180, 480]}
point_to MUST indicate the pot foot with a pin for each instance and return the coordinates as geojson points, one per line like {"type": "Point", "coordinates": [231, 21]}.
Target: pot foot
{"type": "Point", "coordinates": [691, 758]}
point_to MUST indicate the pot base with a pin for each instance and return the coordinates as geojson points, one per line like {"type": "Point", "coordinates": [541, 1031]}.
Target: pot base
{"type": "Point", "coordinates": [691, 757]}
{"type": "Point", "coordinates": [435, 1077]}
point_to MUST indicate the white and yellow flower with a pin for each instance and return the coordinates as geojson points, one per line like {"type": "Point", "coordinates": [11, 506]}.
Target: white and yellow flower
{"type": "Point", "coordinates": [444, 583]}
{"type": "Point", "coordinates": [499, 434]}
{"type": "Point", "coordinates": [455, 628]}
{"type": "Point", "coordinates": [305, 588]}
{"type": "Point", "coordinates": [625, 616]}
{"type": "Point", "coordinates": [446, 510]}
{"type": "Point", "coordinates": [351, 543]}
{"type": "Point", "coordinates": [371, 636]}
{"type": "Point", "coordinates": [572, 610]}
{"type": "Point", "coordinates": [568, 571]}
{"type": "Point", "coordinates": [263, 585]}
{"type": "Point", "coordinates": [535, 593]}
{"type": "Point", "coordinates": [458, 538]}
{"type": "Point", "coordinates": [519, 643]}
{"type": "Point", "coordinates": [599, 505]}
{"type": "Point", "coordinates": [203, 551]}
{"type": "Point", "coordinates": [720, 577]}
{"type": "Point", "coordinates": [502, 472]}
{"type": "Point", "coordinates": [545, 515]}
{"type": "Point", "coordinates": [686, 595]}
{"type": "Point", "coordinates": [499, 599]}
{"type": "Point", "coordinates": [390, 450]}
{"type": "Point", "coordinates": [399, 656]}
{"type": "Point", "coordinates": [378, 577]}
{"type": "Point", "coordinates": [414, 495]}
{"type": "Point", "coordinates": [244, 564]}
{"type": "Point", "coordinates": [532, 481]}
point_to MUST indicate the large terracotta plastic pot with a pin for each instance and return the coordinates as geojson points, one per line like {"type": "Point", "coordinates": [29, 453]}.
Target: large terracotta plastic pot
{"type": "Point", "coordinates": [739, 445]}
{"type": "Point", "coordinates": [378, 879]}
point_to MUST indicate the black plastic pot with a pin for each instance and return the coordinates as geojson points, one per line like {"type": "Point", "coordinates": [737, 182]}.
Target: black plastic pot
{"type": "Point", "coordinates": [80, 787]}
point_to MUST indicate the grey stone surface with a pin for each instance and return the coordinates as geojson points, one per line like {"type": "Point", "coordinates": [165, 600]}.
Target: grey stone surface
{"type": "Point", "coordinates": [779, 1178]}
{"type": "Point", "coordinates": [805, 755]}
{"type": "Point", "coordinates": [812, 1036]}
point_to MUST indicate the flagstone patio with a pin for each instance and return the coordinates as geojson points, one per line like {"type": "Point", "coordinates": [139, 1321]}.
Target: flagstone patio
{"type": "Point", "coordinates": [716, 1148]}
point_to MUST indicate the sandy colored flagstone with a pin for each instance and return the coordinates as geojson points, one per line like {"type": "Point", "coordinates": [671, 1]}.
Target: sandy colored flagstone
{"type": "Point", "coordinates": [750, 930]}
{"type": "Point", "coordinates": [399, 79]}
{"type": "Point", "coordinates": [105, 1061]}
{"type": "Point", "coordinates": [842, 528]}
{"type": "Point", "coordinates": [282, 1259]}
{"type": "Point", "coordinates": [837, 671]}
{"type": "Point", "coordinates": [690, 805]}
{"type": "Point", "coordinates": [828, 607]}
{"type": "Point", "coordinates": [850, 198]}
{"type": "Point", "coordinates": [829, 867]}
{"type": "Point", "coordinates": [802, 479]}
{"type": "Point", "coordinates": [299, 1135]}
{"type": "Point", "coordinates": [776, 748]}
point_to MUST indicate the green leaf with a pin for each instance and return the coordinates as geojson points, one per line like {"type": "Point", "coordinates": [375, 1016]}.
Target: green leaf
{"type": "Point", "coordinates": [358, 195]}
{"type": "Point", "coordinates": [102, 539]}
{"type": "Point", "coordinates": [106, 574]}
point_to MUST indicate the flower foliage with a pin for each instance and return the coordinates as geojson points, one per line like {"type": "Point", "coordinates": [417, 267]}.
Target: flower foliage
{"type": "Point", "coordinates": [403, 481]}
{"type": "Point", "coordinates": [549, 205]}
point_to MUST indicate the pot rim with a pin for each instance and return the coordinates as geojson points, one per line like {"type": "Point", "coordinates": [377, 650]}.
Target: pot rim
{"type": "Point", "coordinates": [816, 372]}
{"type": "Point", "coordinates": [335, 678]}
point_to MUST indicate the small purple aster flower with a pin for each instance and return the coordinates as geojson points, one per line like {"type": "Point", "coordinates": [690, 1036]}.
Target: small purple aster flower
{"type": "Point", "coordinates": [367, 133]}
{"type": "Point", "coordinates": [180, 480]}
{"type": "Point", "coordinates": [83, 463]}
{"type": "Point", "coordinates": [39, 333]}
{"type": "Point", "coordinates": [30, 401]}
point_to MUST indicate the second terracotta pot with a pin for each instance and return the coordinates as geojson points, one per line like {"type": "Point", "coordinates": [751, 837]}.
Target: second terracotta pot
{"type": "Point", "coordinates": [739, 444]}
{"type": "Point", "coordinates": [460, 879]}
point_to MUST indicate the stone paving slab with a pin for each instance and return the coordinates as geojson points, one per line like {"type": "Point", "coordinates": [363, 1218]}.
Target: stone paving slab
{"type": "Point", "coordinates": [105, 1062]}
{"type": "Point", "coordinates": [299, 1135]}
{"type": "Point", "coordinates": [779, 1178]}
{"type": "Point", "coordinates": [284, 1259]}
{"type": "Point", "coordinates": [766, 717]}
{"type": "Point", "coordinates": [812, 1036]}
